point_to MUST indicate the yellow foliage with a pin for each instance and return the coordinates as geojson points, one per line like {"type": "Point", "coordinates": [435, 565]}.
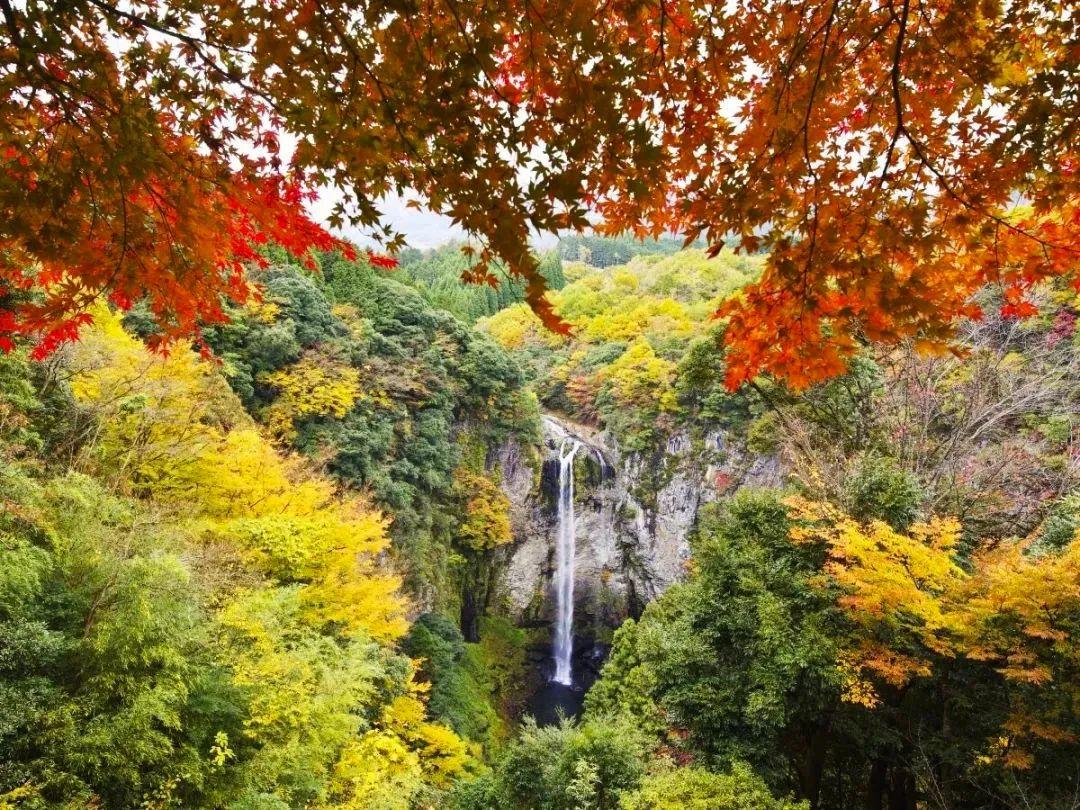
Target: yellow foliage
{"type": "Point", "coordinates": [353, 320]}
{"type": "Point", "coordinates": [639, 377]}
{"type": "Point", "coordinates": [298, 683]}
{"type": "Point", "coordinates": [386, 766]}
{"type": "Point", "coordinates": [306, 637]}
{"type": "Point", "coordinates": [15, 798]}
{"type": "Point", "coordinates": [855, 688]}
{"type": "Point", "coordinates": [517, 326]}
{"type": "Point", "coordinates": [670, 297]}
{"type": "Point", "coordinates": [444, 756]}
{"type": "Point", "coordinates": [911, 600]}
{"type": "Point", "coordinates": [295, 527]}
{"type": "Point", "coordinates": [625, 280]}
{"type": "Point", "coordinates": [885, 572]}
{"type": "Point", "coordinates": [154, 413]}
{"type": "Point", "coordinates": [378, 770]}
{"type": "Point", "coordinates": [348, 593]}
{"type": "Point", "coordinates": [244, 476]}
{"type": "Point", "coordinates": [1035, 594]}
{"type": "Point", "coordinates": [262, 310]}
{"type": "Point", "coordinates": [308, 388]}
{"type": "Point", "coordinates": [639, 317]}
{"type": "Point", "coordinates": [894, 586]}
{"type": "Point", "coordinates": [486, 523]}
{"type": "Point", "coordinates": [166, 423]}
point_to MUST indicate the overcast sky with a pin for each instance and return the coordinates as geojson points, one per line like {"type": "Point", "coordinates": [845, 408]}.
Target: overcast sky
{"type": "Point", "coordinates": [422, 229]}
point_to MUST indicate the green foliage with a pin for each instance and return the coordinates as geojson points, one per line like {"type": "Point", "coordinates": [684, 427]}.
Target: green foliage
{"type": "Point", "coordinates": [438, 273]}
{"type": "Point", "coordinates": [700, 389]}
{"type": "Point", "coordinates": [644, 358]}
{"type": "Point", "coordinates": [102, 647]}
{"type": "Point", "coordinates": [606, 251]}
{"type": "Point", "coordinates": [18, 404]}
{"type": "Point", "coordinates": [563, 767]}
{"type": "Point", "coordinates": [475, 688]}
{"type": "Point", "coordinates": [266, 337]}
{"type": "Point", "coordinates": [879, 489]}
{"type": "Point", "coordinates": [456, 697]}
{"type": "Point", "coordinates": [193, 620]}
{"type": "Point", "coordinates": [751, 629]}
{"type": "Point", "coordinates": [356, 368]}
{"type": "Point", "coordinates": [628, 686]}
{"type": "Point", "coordinates": [813, 659]}
{"type": "Point", "coordinates": [695, 789]}
{"type": "Point", "coordinates": [1060, 527]}
{"type": "Point", "coordinates": [499, 661]}
{"type": "Point", "coordinates": [762, 437]}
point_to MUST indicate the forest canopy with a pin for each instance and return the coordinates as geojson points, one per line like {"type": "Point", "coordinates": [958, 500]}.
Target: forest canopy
{"type": "Point", "coordinates": [760, 490]}
{"type": "Point", "coordinates": [272, 579]}
{"type": "Point", "coordinates": [890, 160]}
{"type": "Point", "coordinates": [189, 617]}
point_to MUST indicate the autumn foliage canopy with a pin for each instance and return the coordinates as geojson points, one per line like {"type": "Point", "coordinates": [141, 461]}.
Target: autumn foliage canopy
{"type": "Point", "coordinates": [892, 158]}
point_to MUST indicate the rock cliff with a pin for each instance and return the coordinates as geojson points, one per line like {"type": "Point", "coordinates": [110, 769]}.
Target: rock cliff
{"type": "Point", "coordinates": [635, 514]}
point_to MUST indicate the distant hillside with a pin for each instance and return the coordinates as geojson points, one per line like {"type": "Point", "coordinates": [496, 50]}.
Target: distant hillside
{"type": "Point", "coordinates": [643, 355]}
{"type": "Point", "coordinates": [607, 251]}
{"type": "Point", "coordinates": [437, 273]}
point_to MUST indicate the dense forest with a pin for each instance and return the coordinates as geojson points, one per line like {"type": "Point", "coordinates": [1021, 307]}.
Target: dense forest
{"type": "Point", "coordinates": [727, 459]}
{"type": "Point", "coordinates": [893, 621]}
{"type": "Point", "coordinates": [269, 575]}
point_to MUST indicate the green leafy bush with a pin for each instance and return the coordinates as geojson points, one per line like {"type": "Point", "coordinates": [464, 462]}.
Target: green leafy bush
{"type": "Point", "coordinates": [563, 767]}
{"type": "Point", "coordinates": [695, 789]}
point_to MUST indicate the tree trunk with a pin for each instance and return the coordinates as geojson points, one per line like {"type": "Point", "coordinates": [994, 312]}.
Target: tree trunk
{"type": "Point", "coordinates": [812, 763]}
{"type": "Point", "coordinates": [875, 789]}
{"type": "Point", "coordinates": [902, 790]}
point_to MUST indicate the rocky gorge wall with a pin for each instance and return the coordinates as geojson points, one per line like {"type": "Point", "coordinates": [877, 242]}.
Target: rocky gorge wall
{"type": "Point", "coordinates": [635, 514]}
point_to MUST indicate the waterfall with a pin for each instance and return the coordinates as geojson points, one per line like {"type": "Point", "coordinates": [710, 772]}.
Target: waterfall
{"type": "Point", "coordinates": [564, 563]}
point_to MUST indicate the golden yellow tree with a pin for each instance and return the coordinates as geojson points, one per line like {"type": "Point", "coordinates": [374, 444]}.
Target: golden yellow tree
{"type": "Point", "coordinates": [913, 602]}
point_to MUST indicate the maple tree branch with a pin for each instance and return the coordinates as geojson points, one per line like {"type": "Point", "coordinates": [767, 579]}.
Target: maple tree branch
{"type": "Point", "coordinates": [188, 39]}
{"type": "Point", "coordinates": [660, 41]}
{"type": "Point", "coordinates": [952, 59]}
{"type": "Point", "coordinates": [796, 52]}
{"type": "Point", "coordinates": [901, 128]}
{"type": "Point", "coordinates": [898, 103]}
{"type": "Point", "coordinates": [813, 90]}
{"type": "Point", "coordinates": [946, 186]}
{"type": "Point", "coordinates": [530, 7]}
{"type": "Point", "coordinates": [198, 45]}
{"type": "Point", "coordinates": [12, 26]}
{"type": "Point", "coordinates": [788, 65]}
{"type": "Point", "coordinates": [387, 104]}
{"type": "Point", "coordinates": [51, 80]}
{"type": "Point", "coordinates": [530, 11]}
{"type": "Point", "coordinates": [452, 6]}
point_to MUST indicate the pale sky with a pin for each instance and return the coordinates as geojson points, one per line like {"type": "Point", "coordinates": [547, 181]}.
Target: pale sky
{"type": "Point", "coordinates": [422, 229]}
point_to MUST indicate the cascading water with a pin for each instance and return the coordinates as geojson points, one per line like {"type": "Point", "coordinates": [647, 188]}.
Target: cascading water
{"type": "Point", "coordinates": [564, 564]}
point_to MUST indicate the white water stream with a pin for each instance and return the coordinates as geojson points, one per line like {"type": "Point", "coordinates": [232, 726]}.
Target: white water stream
{"type": "Point", "coordinates": [564, 564]}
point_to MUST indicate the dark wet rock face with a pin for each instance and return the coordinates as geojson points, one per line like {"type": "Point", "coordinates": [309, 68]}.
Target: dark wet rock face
{"type": "Point", "coordinates": [549, 697]}
{"type": "Point", "coordinates": [555, 701]}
